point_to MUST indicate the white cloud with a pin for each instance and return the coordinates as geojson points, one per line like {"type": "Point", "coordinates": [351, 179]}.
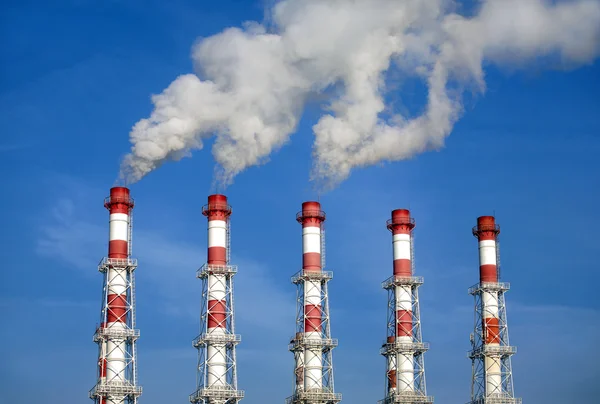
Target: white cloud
{"type": "Point", "coordinates": [253, 83]}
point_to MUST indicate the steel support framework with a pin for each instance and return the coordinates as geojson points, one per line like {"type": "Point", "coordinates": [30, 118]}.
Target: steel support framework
{"type": "Point", "coordinates": [414, 350]}
{"type": "Point", "coordinates": [227, 391]}
{"type": "Point", "coordinates": [122, 387]}
{"type": "Point", "coordinates": [496, 354]}
{"type": "Point", "coordinates": [322, 346]}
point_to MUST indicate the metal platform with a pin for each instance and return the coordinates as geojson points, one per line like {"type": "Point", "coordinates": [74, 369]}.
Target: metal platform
{"type": "Point", "coordinates": [311, 397]}
{"type": "Point", "coordinates": [216, 393]}
{"type": "Point", "coordinates": [116, 333]}
{"type": "Point", "coordinates": [210, 269]}
{"type": "Point", "coordinates": [298, 344]}
{"type": "Point", "coordinates": [489, 287]}
{"type": "Point", "coordinates": [406, 397]}
{"type": "Point", "coordinates": [404, 347]}
{"type": "Point", "coordinates": [493, 350]}
{"type": "Point", "coordinates": [394, 280]}
{"type": "Point", "coordinates": [497, 399]}
{"type": "Point", "coordinates": [117, 263]}
{"type": "Point", "coordinates": [115, 388]}
{"type": "Point", "coordinates": [224, 339]}
{"type": "Point", "coordinates": [303, 275]}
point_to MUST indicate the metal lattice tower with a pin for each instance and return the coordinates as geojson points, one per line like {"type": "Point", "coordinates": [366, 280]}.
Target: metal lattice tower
{"type": "Point", "coordinates": [404, 346]}
{"type": "Point", "coordinates": [116, 335]}
{"type": "Point", "coordinates": [217, 377]}
{"type": "Point", "coordinates": [312, 345]}
{"type": "Point", "coordinates": [491, 381]}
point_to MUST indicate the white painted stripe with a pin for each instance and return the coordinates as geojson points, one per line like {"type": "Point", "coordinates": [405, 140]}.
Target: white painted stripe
{"type": "Point", "coordinates": [118, 226]}
{"type": "Point", "coordinates": [312, 292]}
{"type": "Point", "coordinates": [217, 233]}
{"type": "Point", "coordinates": [217, 365]}
{"type": "Point", "coordinates": [115, 360]}
{"type": "Point", "coordinates": [311, 240]}
{"type": "Point", "coordinates": [403, 298]}
{"type": "Point", "coordinates": [216, 287]}
{"type": "Point", "coordinates": [490, 304]}
{"type": "Point", "coordinates": [400, 237]}
{"type": "Point", "coordinates": [487, 252]}
{"type": "Point", "coordinates": [406, 375]}
{"type": "Point", "coordinates": [117, 281]}
{"type": "Point", "coordinates": [402, 249]}
{"type": "Point", "coordinates": [493, 379]}
{"type": "Point", "coordinates": [313, 369]}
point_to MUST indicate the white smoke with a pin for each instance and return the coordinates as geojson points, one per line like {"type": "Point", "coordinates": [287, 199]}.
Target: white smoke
{"type": "Point", "coordinates": [252, 83]}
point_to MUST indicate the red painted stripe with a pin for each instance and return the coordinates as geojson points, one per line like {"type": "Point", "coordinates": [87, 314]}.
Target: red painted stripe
{"type": "Point", "coordinates": [391, 339]}
{"type": "Point", "coordinates": [404, 324]}
{"type": "Point", "coordinates": [312, 215]}
{"type": "Point", "coordinates": [486, 228]}
{"type": "Point", "coordinates": [391, 375]}
{"type": "Point", "coordinates": [119, 201]}
{"type": "Point", "coordinates": [312, 318]}
{"type": "Point", "coordinates": [117, 249]}
{"type": "Point", "coordinates": [402, 268]}
{"type": "Point", "coordinates": [488, 273]}
{"type": "Point", "coordinates": [311, 261]}
{"type": "Point", "coordinates": [491, 330]}
{"type": "Point", "coordinates": [401, 222]}
{"type": "Point", "coordinates": [217, 255]}
{"type": "Point", "coordinates": [216, 314]}
{"type": "Point", "coordinates": [117, 309]}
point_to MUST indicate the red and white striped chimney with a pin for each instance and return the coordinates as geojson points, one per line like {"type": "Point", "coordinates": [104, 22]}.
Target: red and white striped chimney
{"type": "Point", "coordinates": [401, 227]}
{"type": "Point", "coordinates": [119, 205]}
{"type": "Point", "coordinates": [217, 212]}
{"type": "Point", "coordinates": [312, 218]}
{"type": "Point", "coordinates": [487, 233]}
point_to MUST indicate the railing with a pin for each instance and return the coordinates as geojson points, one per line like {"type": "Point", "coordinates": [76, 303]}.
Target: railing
{"type": "Point", "coordinates": [218, 393]}
{"type": "Point", "coordinates": [306, 214]}
{"type": "Point", "coordinates": [496, 399]}
{"type": "Point", "coordinates": [297, 343]}
{"type": "Point", "coordinates": [404, 347]}
{"type": "Point", "coordinates": [488, 350]}
{"type": "Point", "coordinates": [312, 276]}
{"type": "Point", "coordinates": [400, 222]}
{"type": "Point", "coordinates": [207, 338]}
{"type": "Point", "coordinates": [401, 281]}
{"type": "Point", "coordinates": [485, 227]}
{"type": "Point", "coordinates": [316, 396]}
{"type": "Point", "coordinates": [118, 199]}
{"type": "Point", "coordinates": [407, 397]}
{"type": "Point", "coordinates": [489, 287]}
{"type": "Point", "coordinates": [210, 269]}
{"type": "Point", "coordinates": [223, 207]}
{"type": "Point", "coordinates": [115, 388]}
{"type": "Point", "coordinates": [117, 263]}
{"type": "Point", "coordinates": [107, 332]}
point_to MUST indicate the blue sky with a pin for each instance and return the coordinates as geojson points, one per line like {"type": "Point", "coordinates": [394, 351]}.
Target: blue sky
{"type": "Point", "coordinates": [77, 75]}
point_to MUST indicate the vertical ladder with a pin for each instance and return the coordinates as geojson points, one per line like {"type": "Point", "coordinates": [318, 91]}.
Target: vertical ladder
{"type": "Point", "coordinates": [322, 245]}
{"type": "Point", "coordinates": [228, 241]}
{"type": "Point", "coordinates": [131, 277]}
{"type": "Point", "coordinates": [498, 258]}
{"type": "Point", "coordinates": [129, 232]}
{"type": "Point", "coordinates": [412, 255]}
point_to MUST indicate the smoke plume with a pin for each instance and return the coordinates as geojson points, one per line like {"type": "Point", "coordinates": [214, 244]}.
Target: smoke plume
{"type": "Point", "coordinates": [252, 83]}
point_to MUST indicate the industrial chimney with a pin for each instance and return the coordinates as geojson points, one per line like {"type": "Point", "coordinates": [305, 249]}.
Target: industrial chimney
{"type": "Point", "coordinates": [217, 371]}
{"type": "Point", "coordinates": [404, 347]}
{"type": "Point", "coordinates": [116, 336]}
{"type": "Point", "coordinates": [312, 345]}
{"type": "Point", "coordinates": [491, 380]}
